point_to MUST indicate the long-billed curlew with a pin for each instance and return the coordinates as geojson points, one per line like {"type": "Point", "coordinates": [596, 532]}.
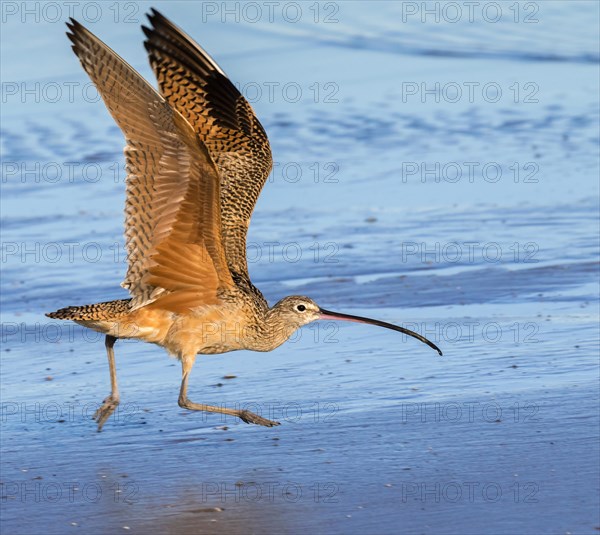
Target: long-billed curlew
{"type": "Point", "coordinates": [197, 158]}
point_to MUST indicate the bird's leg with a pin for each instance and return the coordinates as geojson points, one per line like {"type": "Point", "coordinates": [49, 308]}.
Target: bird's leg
{"type": "Point", "coordinates": [185, 403]}
{"type": "Point", "coordinates": [110, 403]}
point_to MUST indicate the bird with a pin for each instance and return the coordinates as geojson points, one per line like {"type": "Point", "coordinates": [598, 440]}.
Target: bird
{"type": "Point", "coordinates": [196, 159]}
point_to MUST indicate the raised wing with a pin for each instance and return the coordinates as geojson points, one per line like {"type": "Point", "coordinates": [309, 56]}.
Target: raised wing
{"type": "Point", "coordinates": [172, 211]}
{"type": "Point", "coordinates": [198, 88]}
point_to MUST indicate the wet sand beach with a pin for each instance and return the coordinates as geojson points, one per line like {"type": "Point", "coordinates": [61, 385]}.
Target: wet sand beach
{"type": "Point", "coordinates": [466, 210]}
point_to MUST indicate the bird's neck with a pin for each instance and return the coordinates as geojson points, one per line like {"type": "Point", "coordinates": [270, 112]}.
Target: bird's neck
{"type": "Point", "coordinates": [271, 332]}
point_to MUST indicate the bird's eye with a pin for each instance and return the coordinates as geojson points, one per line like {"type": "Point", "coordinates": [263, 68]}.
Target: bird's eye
{"type": "Point", "coordinates": [300, 308]}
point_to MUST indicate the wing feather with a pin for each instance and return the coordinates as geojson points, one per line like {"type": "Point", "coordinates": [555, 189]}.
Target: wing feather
{"type": "Point", "coordinates": [192, 82]}
{"type": "Point", "coordinates": [172, 210]}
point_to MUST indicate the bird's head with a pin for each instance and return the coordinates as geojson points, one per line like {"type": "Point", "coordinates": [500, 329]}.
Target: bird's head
{"type": "Point", "coordinates": [295, 311]}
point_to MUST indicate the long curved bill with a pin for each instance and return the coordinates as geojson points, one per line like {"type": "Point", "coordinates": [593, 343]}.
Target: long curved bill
{"type": "Point", "coordinates": [328, 315]}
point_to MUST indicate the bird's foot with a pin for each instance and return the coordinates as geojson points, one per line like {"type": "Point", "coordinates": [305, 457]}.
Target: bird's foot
{"type": "Point", "coordinates": [104, 412]}
{"type": "Point", "coordinates": [251, 418]}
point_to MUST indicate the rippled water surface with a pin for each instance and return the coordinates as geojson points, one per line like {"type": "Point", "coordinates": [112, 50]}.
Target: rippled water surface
{"type": "Point", "coordinates": [434, 168]}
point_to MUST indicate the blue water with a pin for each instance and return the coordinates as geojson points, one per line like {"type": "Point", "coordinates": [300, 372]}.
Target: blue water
{"type": "Point", "coordinates": [435, 168]}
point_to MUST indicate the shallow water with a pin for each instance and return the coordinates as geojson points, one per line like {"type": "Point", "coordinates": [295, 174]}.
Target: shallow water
{"type": "Point", "coordinates": [469, 215]}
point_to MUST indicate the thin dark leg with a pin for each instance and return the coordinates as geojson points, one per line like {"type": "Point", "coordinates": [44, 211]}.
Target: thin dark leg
{"type": "Point", "coordinates": [110, 403]}
{"type": "Point", "coordinates": [184, 402]}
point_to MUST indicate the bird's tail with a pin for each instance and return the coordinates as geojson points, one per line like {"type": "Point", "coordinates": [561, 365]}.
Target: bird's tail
{"type": "Point", "coordinates": [98, 311]}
